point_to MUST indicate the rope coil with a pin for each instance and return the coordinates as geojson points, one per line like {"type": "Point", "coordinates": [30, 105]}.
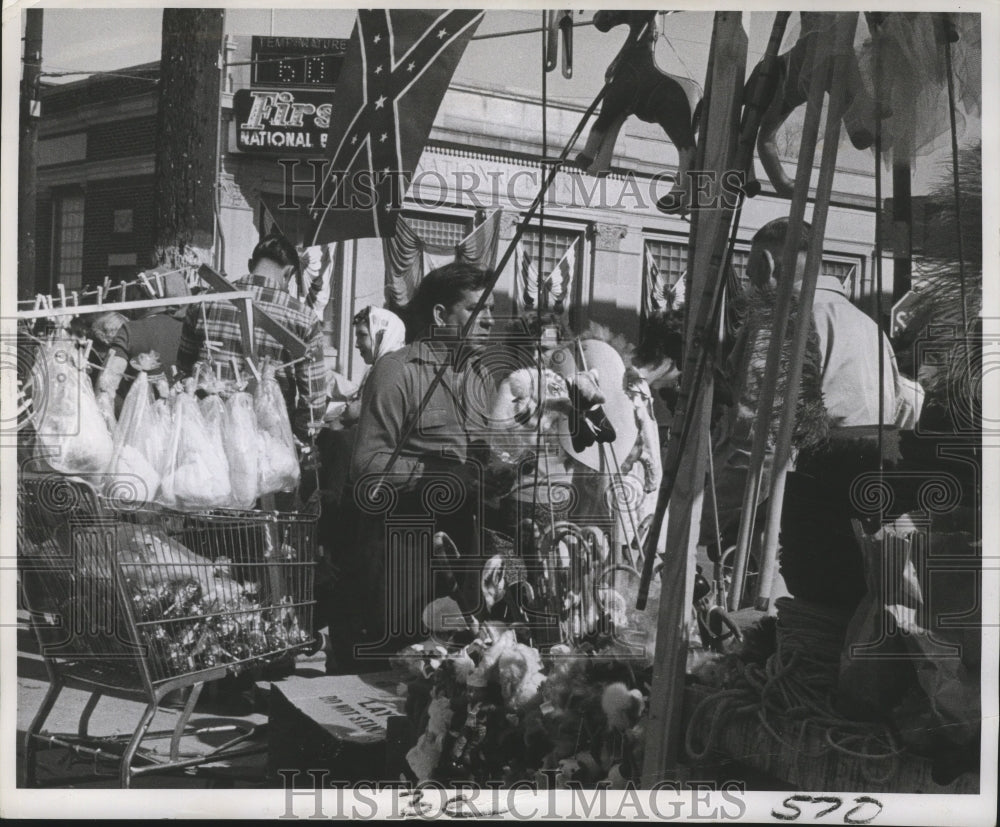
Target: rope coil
{"type": "Point", "coordinates": [792, 698]}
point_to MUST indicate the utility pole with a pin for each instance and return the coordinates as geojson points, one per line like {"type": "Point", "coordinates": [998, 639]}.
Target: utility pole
{"type": "Point", "coordinates": [187, 136]}
{"type": "Point", "coordinates": [27, 167]}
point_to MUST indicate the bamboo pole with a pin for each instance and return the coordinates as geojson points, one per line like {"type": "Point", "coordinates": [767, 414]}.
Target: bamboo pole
{"type": "Point", "coordinates": [845, 25]}
{"type": "Point", "coordinates": [724, 88]}
{"type": "Point", "coordinates": [783, 303]}
{"type": "Point", "coordinates": [709, 313]}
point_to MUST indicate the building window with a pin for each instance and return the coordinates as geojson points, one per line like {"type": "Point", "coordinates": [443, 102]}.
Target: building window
{"type": "Point", "coordinates": [844, 271]}
{"type": "Point", "coordinates": [741, 258]}
{"type": "Point", "coordinates": [545, 252]}
{"type": "Point", "coordinates": [440, 231]}
{"type": "Point", "coordinates": [663, 269]}
{"type": "Point", "coordinates": [68, 241]}
{"type": "Point", "coordinates": [556, 243]}
{"type": "Point", "coordinates": [669, 257]}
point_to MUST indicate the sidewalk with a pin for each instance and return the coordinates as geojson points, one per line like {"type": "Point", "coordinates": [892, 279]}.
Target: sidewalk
{"type": "Point", "coordinates": [119, 716]}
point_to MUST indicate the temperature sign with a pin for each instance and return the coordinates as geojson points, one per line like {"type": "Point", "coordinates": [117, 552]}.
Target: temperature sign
{"type": "Point", "coordinates": [302, 62]}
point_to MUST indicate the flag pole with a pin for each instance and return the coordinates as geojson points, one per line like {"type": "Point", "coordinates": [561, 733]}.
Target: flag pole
{"type": "Point", "coordinates": [495, 276]}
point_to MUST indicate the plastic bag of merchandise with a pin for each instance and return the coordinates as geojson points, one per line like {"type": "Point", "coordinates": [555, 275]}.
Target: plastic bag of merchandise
{"type": "Point", "coordinates": [139, 439]}
{"type": "Point", "coordinates": [278, 463]}
{"type": "Point", "coordinates": [71, 434]}
{"type": "Point", "coordinates": [195, 470]}
{"type": "Point", "coordinates": [213, 411]}
{"type": "Point", "coordinates": [242, 445]}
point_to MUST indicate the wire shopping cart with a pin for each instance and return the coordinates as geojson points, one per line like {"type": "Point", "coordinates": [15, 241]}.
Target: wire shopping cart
{"type": "Point", "coordinates": [142, 601]}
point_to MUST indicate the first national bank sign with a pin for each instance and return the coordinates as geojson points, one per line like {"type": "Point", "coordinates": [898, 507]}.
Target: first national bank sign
{"type": "Point", "coordinates": [287, 108]}
{"type": "Point", "coordinates": [272, 120]}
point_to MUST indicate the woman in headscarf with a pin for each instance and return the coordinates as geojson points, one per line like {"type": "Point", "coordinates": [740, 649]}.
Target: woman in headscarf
{"type": "Point", "coordinates": [376, 333]}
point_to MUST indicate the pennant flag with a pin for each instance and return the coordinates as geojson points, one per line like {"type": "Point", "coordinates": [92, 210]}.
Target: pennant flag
{"type": "Point", "coordinates": [525, 279]}
{"type": "Point", "coordinates": [677, 293]}
{"type": "Point", "coordinates": [316, 264]}
{"type": "Point", "coordinates": [408, 257]}
{"type": "Point", "coordinates": [560, 280]}
{"type": "Point", "coordinates": [480, 246]}
{"type": "Point", "coordinates": [397, 68]}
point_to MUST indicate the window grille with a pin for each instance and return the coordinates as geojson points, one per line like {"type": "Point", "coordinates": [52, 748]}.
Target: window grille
{"type": "Point", "coordinates": [69, 241]}
{"type": "Point", "coordinates": [440, 231]}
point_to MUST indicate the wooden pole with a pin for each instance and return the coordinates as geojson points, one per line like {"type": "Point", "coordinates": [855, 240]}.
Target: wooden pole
{"type": "Point", "coordinates": [708, 320]}
{"type": "Point", "coordinates": [187, 135]}
{"type": "Point", "coordinates": [124, 307]}
{"type": "Point", "coordinates": [724, 91]}
{"type": "Point", "coordinates": [27, 167]}
{"type": "Point", "coordinates": [783, 303]}
{"type": "Point", "coordinates": [845, 25]}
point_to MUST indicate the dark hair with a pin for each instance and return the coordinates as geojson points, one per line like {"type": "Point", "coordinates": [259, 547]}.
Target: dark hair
{"type": "Point", "coordinates": [774, 233]}
{"type": "Point", "coordinates": [446, 286]}
{"type": "Point", "coordinates": [79, 326]}
{"type": "Point", "coordinates": [662, 336]}
{"type": "Point", "coordinates": [276, 248]}
{"type": "Point", "coordinates": [363, 316]}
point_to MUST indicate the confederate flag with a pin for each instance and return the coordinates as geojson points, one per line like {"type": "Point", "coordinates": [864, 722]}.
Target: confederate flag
{"type": "Point", "coordinates": [396, 70]}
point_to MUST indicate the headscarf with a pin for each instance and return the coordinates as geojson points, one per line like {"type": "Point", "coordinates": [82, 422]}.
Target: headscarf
{"type": "Point", "coordinates": [387, 331]}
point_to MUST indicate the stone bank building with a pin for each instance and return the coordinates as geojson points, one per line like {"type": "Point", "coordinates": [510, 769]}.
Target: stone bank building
{"type": "Point", "coordinates": [96, 168]}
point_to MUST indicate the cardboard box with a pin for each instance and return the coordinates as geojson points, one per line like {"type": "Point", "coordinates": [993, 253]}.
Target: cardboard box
{"type": "Point", "coordinates": [334, 725]}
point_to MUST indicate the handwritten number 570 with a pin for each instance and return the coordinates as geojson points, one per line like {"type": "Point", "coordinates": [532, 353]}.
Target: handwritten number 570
{"type": "Point", "coordinates": [858, 814]}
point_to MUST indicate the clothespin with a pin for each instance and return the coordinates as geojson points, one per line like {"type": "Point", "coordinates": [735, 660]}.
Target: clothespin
{"type": "Point", "coordinates": [106, 285]}
{"type": "Point", "coordinates": [236, 369]}
{"type": "Point", "coordinates": [39, 298]}
{"type": "Point", "coordinates": [253, 369]}
{"type": "Point", "coordinates": [76, 298]}
{"type": "Point", "coordinates": [62, 295]}
{"type": "Point", "coordinates": [122, 286]}
{"type": "Point", "coordinates": [100, 295]}
{"type": "Point", "coordinates": [149, 287]}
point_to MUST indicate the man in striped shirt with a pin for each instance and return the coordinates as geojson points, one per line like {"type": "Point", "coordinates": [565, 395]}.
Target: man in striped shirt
{"type": "Point", "coordinates": [211, 332]}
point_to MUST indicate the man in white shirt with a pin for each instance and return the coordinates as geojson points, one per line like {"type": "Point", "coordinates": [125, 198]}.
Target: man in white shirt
{"type": "Point", "coordinates": [840, 375]}
{"type": "Point", "coordinates": [847, 338]}
{"type": "Point", "coordinates": [820, 560]}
